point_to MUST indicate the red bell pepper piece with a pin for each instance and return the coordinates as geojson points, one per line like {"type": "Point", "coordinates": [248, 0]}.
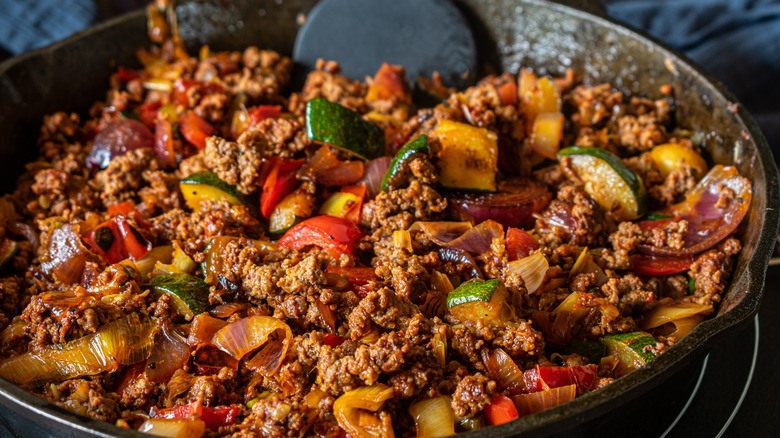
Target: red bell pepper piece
{"type": "Point", "coordinates": [195, 129]}
{"type": "Point", "coordinates": [650, 266]}
{"type": "Point", "coordinates": [148, 111]}
{"type": "Point", "coordinates": [508, 93]}
{"type": "Point", "coordinates": [182, 86]}
{"type": "Point", "coordinates": [519, 243]}
{"type": "Point", "coordinates": [501, 410]}
{"type": "Point", "coordinates": [116, 240]}
{"type": "Point", "coordinates": [278, 184]}
{"type": "Point", "coordinates": [127, 209]}
{"type": "Point", "coordinates": [261, 112]}
{"type": "Point", "coordinates": [163, 143]}
{"type": "Point", "coordinates": [335, 235]}
{"type": "Point", "coordinates": [125, 74]}
{"type": "Point", "coordinates": [214, 417]}
{"type": "Point", "coordinates": [356, 274]}
{"type": "Point", "coordinates": [332, 340]}
{"type": "Point", "coordinates": [544, 378]}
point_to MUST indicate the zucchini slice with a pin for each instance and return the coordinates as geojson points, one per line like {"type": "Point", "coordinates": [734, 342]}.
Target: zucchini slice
{"type": "Point", "coordinates": [189, 295]}
{"type": "Point", "coordinates": [468, 158]}
{"type": "Point", "coordinates": [609, 181]}
{"type": "Point", "coordinates": [8, 250]}
{"type": "Point", "coordinates": [413, 149]}
{"type": "Point", "coordinates": [336, 125]}
{"type": "Point", "coordinates": [630, 350]}
{"type": "Point", "coordinates": [294, 208]}
{"type": "Point", "coordinates": [474, 300]}
{"type": "Point", "coordinates": [206, 186]}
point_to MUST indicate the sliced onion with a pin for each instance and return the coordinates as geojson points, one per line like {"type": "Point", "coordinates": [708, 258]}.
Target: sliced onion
{"type": "Point", "coordinates": [707, 224]}
{"type": "Point", "coordinates": [586, 265]}
{"type": "Point", "coordinates": [67, 256]}
{"type": "Point", "coordinates": [173, 427]}
{"type": "Point", "coordinates": [462, 235]}
{"type": "Point", "coordinates": [513, 205]}
{"type": "Point", "coordinates": [538, 401]}
{"type": "Point", "coordinates": [162, 254]}
{"type": "Point", "coordinates": [203, 329]}
{"type": "Point", "coordinates": [459, 256]}
{"type": "Point", "coordinates": [433, 417]}
{"type": "Point", "coordinates": [441, 283]}
{"type": "Point", "coordinates": [245, 335]}
{"type": "Point", "coordinates": [532, 269]}
{"type": "Point", "coordinates": [375, 171]}
{"type": "Point", "coordinates": [579, 304]}
{"type": "Point", "coordinates": [116, 139]}
{"type": "Point", "coordinates": [169, 353]}
{"type": "Point", "coordinates": [502, 368]}
{"type": "Point", "coordinates": [680, 327]}
{"type": "Point", "coordinates": [663, 314]}
{"type": "Point", "coordinates": [14, 330]}
{"type": "Point", "coordinates": [227, 309]}
{"type": "Point", "coordinates": [27, 231]}
{"type": "Point", "coordinates": [122, 342]}
{"type": "Point", "coordinates": [331, 171]}
{"type": "Point", "coordinates": [350, 410]}
{"type": "Point", "coordinates": [439, 343]}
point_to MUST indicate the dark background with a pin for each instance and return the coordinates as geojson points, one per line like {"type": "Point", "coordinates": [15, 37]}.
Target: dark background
{"type": "Point", "coordinates": [732, 392]}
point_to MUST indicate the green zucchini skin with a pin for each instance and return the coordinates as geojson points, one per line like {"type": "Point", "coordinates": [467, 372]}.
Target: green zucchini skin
{"type": "Point", "coordinates": [633, 341]}
{"type": "Point", "coordinates": [8, 250]}
{"type": "Point", "coordinates": [339, 126]}
{"type": "Point", "coordinates": [192, 291]}
{"type": "Point", "coordinates": [411, 150]}
{"type": "Point", "coordinates": [472, 291]}
{"type": "Point", "coordinates": [211, 186]}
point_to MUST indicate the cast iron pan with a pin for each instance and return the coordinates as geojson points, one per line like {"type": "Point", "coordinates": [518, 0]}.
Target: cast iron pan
{"type": "Point", "coordinates": [548, 37]}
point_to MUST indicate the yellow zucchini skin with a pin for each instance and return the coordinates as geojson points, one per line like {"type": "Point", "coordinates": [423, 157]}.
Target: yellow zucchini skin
{"type": "Point", "coordinates": [468, 158]}
{"type": "Point", "coordinates": [206, 186]}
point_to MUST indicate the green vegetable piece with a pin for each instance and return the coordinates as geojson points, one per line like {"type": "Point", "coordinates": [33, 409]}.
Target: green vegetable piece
{"type": "Point", "coordinates": [424, 98]}
{"type": "Point", "coordinates": [339, 126]}
{"type": "Point", "coordinates": [609, 181]}
{"type": "Point", "coordinates": [657, 216]}
{"type": "Point", "coordinates": [472, 291]}
{"type": "Point", "coordinates": [413, 149]}
{"type": "Point", "coordinates": [189, 295]}
{"type": "Point", "coordinates": [594, 351]}
{"type": "Point", "coordinates": [691, 285]}
{"type": "Point", "coordinates": [203, 186]}
{"type": "Point", "coordinates": [8, 250]}
{"type": "Point", "coordinates": [630, 350]}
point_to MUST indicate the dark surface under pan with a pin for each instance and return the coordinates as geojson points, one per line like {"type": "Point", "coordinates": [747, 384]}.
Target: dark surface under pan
{"type": "Point", "coordinates": [547, 37]}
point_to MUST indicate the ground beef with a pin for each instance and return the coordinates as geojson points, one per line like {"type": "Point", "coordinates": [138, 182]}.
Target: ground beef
{"type": "Point", "coordinates": [326, 82]}
{"type": "Point", "coordinates": [123, 177]}
{"type": "Point", "coordinates": [234, 162]}
{"type": "Point", "coordinates": [472, 395]}
{"type": "Point", "coordinates": [279, 137]}
{"type": "Point", "coordinates": [594, 104]}
{"type": "Point", "coordinates": [573, 217]}
{"type": "Point", "coordinates": [640, 133]}
{"type": "Point", "coordinates": [711, 271]}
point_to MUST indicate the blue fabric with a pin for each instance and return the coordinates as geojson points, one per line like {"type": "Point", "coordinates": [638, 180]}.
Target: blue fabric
{"type": "Point", "coordinates": [738, 41]}
{"type": "Point", "coordinates": [30, 24]}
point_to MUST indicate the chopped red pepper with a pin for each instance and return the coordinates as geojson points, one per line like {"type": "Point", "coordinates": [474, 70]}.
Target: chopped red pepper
{"type": "Point", "coordinates": [519, 243]}
{"type": "Point", "coordinates": [389, 81]}
{"type": "Point", "coordinates": [214, 417]}
{"type": "Point", "coordinates": [332, 340]}
{"type": "Point", "coordinates": [261, 112]}
{"type": "Point", "coordinates": [117, 240]}
{"type": "Point", "coordinates": [127, 209]}
{"type": "Point", "coordinates": [544, 378]}
{"type": "Point", "coordinates": [278, 184]}
{"type": "Point", "coordinates": [163, 142]}
{"type": "Point", "coordinates": [649, 265]}
{"type": "Point", "coordinates": [125, 74]}
{"type": "Point", "coordinates": [501, 410]}
{"type": "Point", "coordinates": [182, 87]}
{"type": "Point", "coordinates": [358, 190]}
{"type": "Point", "coordinates": [508, 93]}
{"type": "Point", "coordinates": [335, 235]}
{"type": "Point", "coordinates": [195, 129]}
{"type": "Point", "coordinates": [356, 274]}
{"type": "Point", "coordinates": [148, 111]}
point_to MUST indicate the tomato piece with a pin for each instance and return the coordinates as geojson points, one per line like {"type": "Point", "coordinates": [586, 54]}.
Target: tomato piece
{"type": "Point", "coordinates": [148, 111]}
{"type": "Point", "coordinates": [278, 184]}
{"type": "Point", "coordinates": [508, 93]}
{"type": "Point", "coordinates": [501, 410]}
{"type": "Point", "coordinates": [519, 243]}
{"type": "Point", "coordinates": [335, 235]}
{"type": "Point", "coordinates": [116, 240]}
{"type": "Point", "coordinates": [649, 265]}
{"type": "Point", "coordinates": [261, 112]}
{"type": "Point", "coordinates": [332, 340]}
{"type": "Point", "coordinates": [195, 129]}
{"type": "Point", "coordinates": [356, 274]}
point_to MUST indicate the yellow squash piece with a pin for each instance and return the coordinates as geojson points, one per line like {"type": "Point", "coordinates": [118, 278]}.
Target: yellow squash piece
{"type": "Point", "coordinates": [670, 156]}
{"type": "Point", "coordinates": [468, 158]}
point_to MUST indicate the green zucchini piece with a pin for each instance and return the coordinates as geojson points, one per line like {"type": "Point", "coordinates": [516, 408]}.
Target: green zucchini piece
{"type": "Point", "coordinates": [609, 181]}
{"type": "Point", "coordinates": [594, 351]}
{"type": "Point", "coordinates": [630, 350]}
{"type": "Point", "coordinates": [424, 98]}
{"type": "Point", "coordinates": [656, 216]}
{"type": "Point", "coordinates": [8, 250]}
{"type": "Point", "coordinates": [336, 125]}
{"type": "Point", "coordinates": [473, 291]}
{"type": "Point", "coordinates": [292, 209]}
{"type": "Point", "coordinates": [477, 299]}
{"type": "Point", "coordinates": [189, 295]}
{"type": "Point", "coordinates": [205, 186]}
{"type": "Point", "coordinates": [413, 149]}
